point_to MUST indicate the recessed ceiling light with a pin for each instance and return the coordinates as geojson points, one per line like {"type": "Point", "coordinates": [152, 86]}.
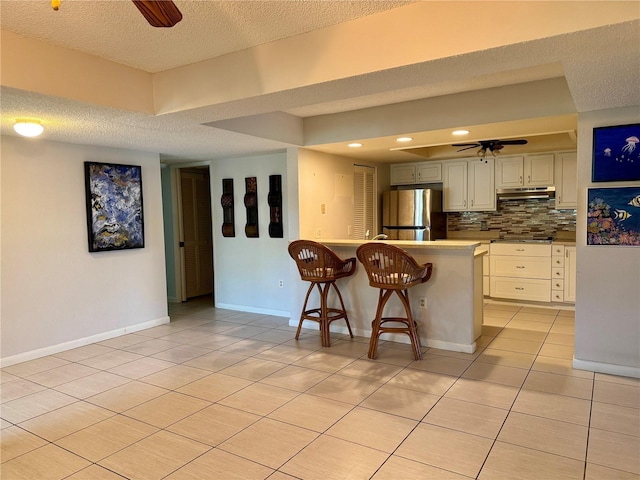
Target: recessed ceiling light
{"type": "Point", "coordinates": [404, 139]}
{"type": "Point", "coordinates": [460, 132]}
{"type": "Point", "coordinates": [355, 145]}
{"type": "Point", "coordinates": [28, 127]}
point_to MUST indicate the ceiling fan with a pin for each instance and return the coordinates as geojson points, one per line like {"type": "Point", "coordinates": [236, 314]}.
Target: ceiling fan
{"type": "Point", "coordinates": [159, 13]}
{"type": "Point", "coordinates": [493, 146]}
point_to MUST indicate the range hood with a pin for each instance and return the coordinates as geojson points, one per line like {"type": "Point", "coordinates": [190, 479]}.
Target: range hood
{"type": "Point", "coordinates": [525, 193]}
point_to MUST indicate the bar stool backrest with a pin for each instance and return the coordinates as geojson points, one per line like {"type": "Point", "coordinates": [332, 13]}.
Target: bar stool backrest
{"type": "Point", "coordinates": [318, 263]}
{"type": "Point", "coordinates": [390, 267]}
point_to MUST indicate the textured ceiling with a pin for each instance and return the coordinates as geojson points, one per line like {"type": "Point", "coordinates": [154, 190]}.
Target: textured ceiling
{"type": "Point", "coordinates": [600, 63]}
{"type": "Point", "coordinates": [115, 30]}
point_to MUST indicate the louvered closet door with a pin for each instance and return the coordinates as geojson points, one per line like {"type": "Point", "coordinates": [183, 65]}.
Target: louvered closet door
{"type": "Point", "coordinates": [196, 224]}
{"type": "Point", "coordinates": [364, 201]}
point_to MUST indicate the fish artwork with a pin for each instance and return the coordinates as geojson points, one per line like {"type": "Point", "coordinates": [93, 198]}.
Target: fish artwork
{"type": "Point", "coordinates": [621, 215]}
{"type": "Point", "coordinates": [635, 201]}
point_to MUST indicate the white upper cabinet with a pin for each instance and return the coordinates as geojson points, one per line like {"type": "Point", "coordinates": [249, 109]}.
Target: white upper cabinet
{"type": "Point", "coordinates": [566, 166]}
{"type": "Point", "coordinates": [412, 173]}
{"type": "Point", "coordinates": [468, 185]}
{"type": "Point", "coordinates": [428, 172]}
{"type": "Point", "coordinates": [402, 173]}
{"type": "Point", "coordinates": [525, 171]}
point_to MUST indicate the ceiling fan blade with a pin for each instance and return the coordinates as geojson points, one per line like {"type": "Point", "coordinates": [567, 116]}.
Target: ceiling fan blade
{"type": "Point", "coordinates": [467, 148]}
{"type": "Point", "coordinates": [159, 13]}
{"type": "Point", "coordinates": [465, 144]}
{"type": "Point", "coordinates": [514, 142]}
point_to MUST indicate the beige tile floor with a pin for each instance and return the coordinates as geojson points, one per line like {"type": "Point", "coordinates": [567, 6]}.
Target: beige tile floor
{"type": "Point", "coordinates": [218, 394]}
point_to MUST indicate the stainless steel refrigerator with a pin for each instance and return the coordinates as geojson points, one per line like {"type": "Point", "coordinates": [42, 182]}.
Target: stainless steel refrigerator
{"type": "Point", "coordinates": [413, 214]}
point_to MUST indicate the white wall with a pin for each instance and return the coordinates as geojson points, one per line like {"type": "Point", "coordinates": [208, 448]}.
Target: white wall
{"type": "Point", "coordinates": [608, 277]}
{"type": "Point", "coordinates": [247, 270]}
{"type": "Point", "coordinates": [55, 294]}
{"type": "Point", "coordinates": [325, 180]}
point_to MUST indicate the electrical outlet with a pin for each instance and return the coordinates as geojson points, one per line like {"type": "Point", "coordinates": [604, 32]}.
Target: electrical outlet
{"type": "Point", "coordinates": [423, 302]}
{"type": "Point", "coordinates": [318, 233]}
{"type": "Point", "coordinates": [349, 230]}
{"type": "Point", "coordinates": [281, 283]}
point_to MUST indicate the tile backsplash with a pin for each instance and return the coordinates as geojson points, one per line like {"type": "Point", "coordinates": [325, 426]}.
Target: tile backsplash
{"type": "Point", "coordinates": [537, 218]}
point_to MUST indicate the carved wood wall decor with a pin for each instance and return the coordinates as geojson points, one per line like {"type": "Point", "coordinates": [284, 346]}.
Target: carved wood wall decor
{"type": "Point", "coordinates": [275, 203]}
{"type": "Point", "coordinates": [251, 203]}
{"type": "Point", "coordinates": [228, 223]}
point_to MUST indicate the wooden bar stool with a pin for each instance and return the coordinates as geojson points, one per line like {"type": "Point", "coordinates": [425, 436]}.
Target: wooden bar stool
{"type": "Point", "coordinates": [391, 269]}
{"type": "Point", "coordinates": [322, 267]}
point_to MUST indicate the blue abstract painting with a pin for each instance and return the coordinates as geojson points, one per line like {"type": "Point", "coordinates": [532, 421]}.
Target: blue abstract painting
{"type": "Point", "coordinates": [613, 216]}
{"type": "Point", "coordinates": [114, 206]}
{"type": "Point", "coordinates": [616, 153]}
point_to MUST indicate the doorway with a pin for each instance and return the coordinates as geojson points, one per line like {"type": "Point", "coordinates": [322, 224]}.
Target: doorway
{"type": "Point", "coordinates": [196, 240]}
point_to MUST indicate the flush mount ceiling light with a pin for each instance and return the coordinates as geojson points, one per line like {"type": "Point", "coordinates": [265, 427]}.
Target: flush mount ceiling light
{"type": "Point", "coordinates": [460, 132]}
{"type": "Point", "coordinates": [404, 139]}
{"type": "Point", "coordinates": [28, 127]}
{"type": "Point", "coordinates": [354, 145]}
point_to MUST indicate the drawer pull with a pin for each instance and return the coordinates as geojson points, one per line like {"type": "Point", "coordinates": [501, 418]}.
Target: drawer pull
{"type": "Point", "coordinates": [519, 288]}
{"type": "Point", "coordinates": [520, 266]}
{"type": "Point", "coordinates": [557, 273]}
{"type": "Point", "coordinates": [519, 249]}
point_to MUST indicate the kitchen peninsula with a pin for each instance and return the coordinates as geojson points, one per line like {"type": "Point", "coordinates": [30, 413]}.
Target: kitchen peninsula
{"type": "Point", "coordinates": [452, 319]}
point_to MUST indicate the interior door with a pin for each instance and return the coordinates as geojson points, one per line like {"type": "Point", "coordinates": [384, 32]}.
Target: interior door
{"type": "Point", "coordinates": [197, 243]}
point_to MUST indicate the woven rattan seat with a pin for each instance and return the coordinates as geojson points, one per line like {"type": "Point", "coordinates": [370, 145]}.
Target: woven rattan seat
{"type": "Point", "coordinates": [322, 267]}
{"type": "Point", "coordinates": [392, 269]}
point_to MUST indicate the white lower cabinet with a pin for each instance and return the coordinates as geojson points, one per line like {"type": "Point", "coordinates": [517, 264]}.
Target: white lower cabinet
{"type": "Point", "coordinates": [557, 273]}
{"type": "Point", "coordinates": [520, 289]}
{"type": "Point", "coordinates": [520, 271]}
{"type": "Point", "coordinates": [570, 274]}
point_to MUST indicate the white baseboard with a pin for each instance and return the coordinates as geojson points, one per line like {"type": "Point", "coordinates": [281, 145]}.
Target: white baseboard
{"type": "Point", "coordinates": [80, 342]}
{"type": "Point", "coordinates": [399, 338]}
{"type": "Point", "coordinates": [245, 308]}
{"type": "Point", "coordinates": [608, 368]}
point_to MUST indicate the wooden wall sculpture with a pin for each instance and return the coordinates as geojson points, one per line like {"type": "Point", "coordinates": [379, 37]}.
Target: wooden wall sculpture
{"type": "Point", "coordinates": [251, 203]}
{"type": "Point", "coordinates": [228, 223]}
{"type": "Point", "coordinates": [275, 204]}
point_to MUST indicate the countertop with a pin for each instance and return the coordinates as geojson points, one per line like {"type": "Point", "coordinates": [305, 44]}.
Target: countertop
{"type": "Point", "coordinates": [432, 245]}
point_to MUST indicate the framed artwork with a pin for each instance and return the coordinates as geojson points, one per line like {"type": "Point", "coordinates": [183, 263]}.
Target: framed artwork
{"type": "Point", "coordinates": [274, 198]}
{"type": "Point", "coordinates": [613, 216]}
{"type": "Point", "coordinates": [226, 200]}
{"type": "Point", "coordinates": [251, 204]}
{"type": "Point", "coordinates": [114, 206]}
{"type": "Point", "coordinates": [616, 153]}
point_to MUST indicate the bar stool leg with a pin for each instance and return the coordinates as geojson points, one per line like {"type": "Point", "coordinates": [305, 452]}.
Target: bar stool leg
{"type": "Point", "coordinates": [324, 316]}
{"type": "Point", "coordinates": [383, 297]}
{"type": "Point", "coordinates": [346, 319]}
{"type": "Point", "coordinates": [411, 324]}
{"type": "Point", "coordinates": [304, 309]}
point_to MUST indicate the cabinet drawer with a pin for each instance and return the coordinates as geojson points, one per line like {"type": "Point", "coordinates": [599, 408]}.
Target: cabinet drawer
{"type": "Point", "coordinates": [523, 267]}
{"type": "Point", "coordinates": [521, 249]}
{"type": "Point", "coordinates": [557, 284]}
{"type": "Point", "coordinates": [557, 262]}
{"type": "Point", "coordinates": [557, 273]}
{"type": "Point", "coordinates": [521, 289]}
{"type": "Point", "coordinates": [557, 296]}
{"type": "Point", "coordinates": [557, 250]}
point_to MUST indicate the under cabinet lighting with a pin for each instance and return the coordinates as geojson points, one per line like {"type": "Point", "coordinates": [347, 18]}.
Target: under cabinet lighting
{"type": "Point", "coordinates": [460, 132]}
{"type": "Point", "coordinates": [355, 145]}
{"type": "Point", "coordinates": [28, 127]}
{"type": "Point", "coordinates": [404, 139]}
